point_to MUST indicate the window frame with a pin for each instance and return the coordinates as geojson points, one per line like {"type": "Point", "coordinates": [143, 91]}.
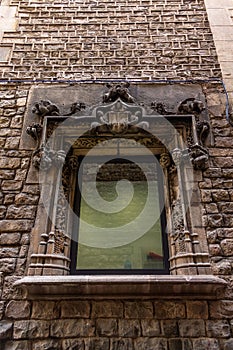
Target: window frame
{"type": "Point", "coordinates": [163, 223]}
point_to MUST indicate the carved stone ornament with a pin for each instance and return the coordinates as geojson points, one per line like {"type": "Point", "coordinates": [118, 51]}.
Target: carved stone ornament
{"type": "Point", "coordinates": [34, 131]}
{"type": "Point", "coordinates": [165, 160]}
{"type": "Point", "coordinates": [45, 107]}
{"type": "Point", "coordinates": [44, 158]}
{"type": "Point", "coordinates": [160, 108]}
{"type": "Point", "coordinates": [119, 90]}
{"type": "Point", "coordinates": [203, 129]}
{"type": "Point", "coordinates": [118, 118]}
{"type": "Point", "coordinates": [107, 122]}
{"type": "Point", "coordinates": [191, 106]}
{"type": "Point", "coordinates": [199, 156]}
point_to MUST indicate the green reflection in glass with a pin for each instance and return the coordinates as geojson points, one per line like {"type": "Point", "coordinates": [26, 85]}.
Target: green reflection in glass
{"type": "Point", "coordinates": [143, 253]}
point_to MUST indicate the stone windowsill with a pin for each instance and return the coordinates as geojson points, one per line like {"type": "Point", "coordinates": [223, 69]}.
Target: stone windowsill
{"type": "Point", "coordinates": [121, 286]}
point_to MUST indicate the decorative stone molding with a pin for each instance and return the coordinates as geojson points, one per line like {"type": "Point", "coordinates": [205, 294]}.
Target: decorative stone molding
{"type": "Point", "coordinates": [120, 286]}
{"type": "Point", "coordinates": [127, 126]}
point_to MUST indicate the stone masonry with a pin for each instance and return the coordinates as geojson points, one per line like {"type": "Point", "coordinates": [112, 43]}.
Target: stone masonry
{"type": "Point", "coordinates": [51, 43]}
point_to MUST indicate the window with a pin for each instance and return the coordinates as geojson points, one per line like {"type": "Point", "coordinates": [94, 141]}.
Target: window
{"type": "Point", "coordinates": [125, 237]}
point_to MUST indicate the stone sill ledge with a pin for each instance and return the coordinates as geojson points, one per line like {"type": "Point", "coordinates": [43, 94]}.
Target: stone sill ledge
{"type": "Point", "coordinates": [121, 286]}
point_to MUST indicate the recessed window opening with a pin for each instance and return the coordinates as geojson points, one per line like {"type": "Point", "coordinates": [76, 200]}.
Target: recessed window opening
{"type": "Point", "coordinates": [121, 225]}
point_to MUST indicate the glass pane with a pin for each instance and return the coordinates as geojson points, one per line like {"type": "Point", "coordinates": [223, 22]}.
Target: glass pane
{"type": "Point", "coordinates": [119, 239]}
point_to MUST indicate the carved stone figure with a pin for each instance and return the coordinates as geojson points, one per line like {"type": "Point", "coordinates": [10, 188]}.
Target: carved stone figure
{"type": "Point", "coordinates": [45, 107]}
{"type": "Point", "coordinates": [160, 108]}
{"type": "Point", "coordinates": [203, 129]}
{"type": "Point", "coordinates": [199, 156]}
{"type": "Point", "coordinates": [165, 160]}
{"type": "Point", "coordinates": [116, 91]}
{"type": "Point", "coordinates": [76, 107]}
{"type": "Point", "coordinates": [191, 106]}
{"type": "Point", "coordinates": [34, 131]}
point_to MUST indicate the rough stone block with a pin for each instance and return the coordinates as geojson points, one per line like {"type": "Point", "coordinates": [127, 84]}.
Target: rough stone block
{"type": "Point", "coordinates": [18, 309]}
{"type": "Point", "coordinates": [10, 238]}
{"type": "Point", "coordinates": [6, 329]}
{"type": "Point", "coordinates": [106, 327]}
{"type": "Point", "coordinates": [204, 344]}
{"type": "Point", "coordinates": [218, 329]}
{"type": "Point", "coordinates": [45, 310]}
{"type": "Point", "coordinates": [18, 345]}
{"type": "Point", "coordinates": [197, 309]}
{"type": "Point", "coordinates": [107, 309]}
{"type": "Point", "coordinates": [72, 344]}
{"type": "Point", "coordinates": [49, 345]}
{"type": "Point", "coordinates": [21, 212]}
{"type": "Point", "coordinates": [175, 344]}
{"type": "Point", "coordinates": [72, 328]}
{"type": "Point", "coordinates": [138, 309]}
{"type": "Point", "coordinates": [129, 328]}
{"type": "Point", "coordinates": [9, 163]}
{"type": "Point", "coordinates": [169, 328]}
{"type": "Point", "coordinates": [227, 246]}
{"type": "Point", "coordinates": [97, 344]}
{"type": "Point", "coordinates": [11, 185]}
{"type": "Point", "coordinates": [7, 265]}
{"type": "Point", "coordinates": [168, 309]}
{"type": "Point", "coordinates": [221, 309]}
{"type": "Point", "coordinates": [15, 226]}
{"type": "Point", "coordinates": [9, 252]}
{"type": "Point", "coordinates": [121, 344]}
{"type": "Point", "coordinates": [75, 309]}
{"type": "Point", "coordinates": [228, 344]}
{"type": "Point", "coordinates": [150, 328]}
{"type": "Point", "coordinates": [150, 344]}
{"type": "Point", "coordinates": [192, 328]}
{"type": "Point", "coordinates": [31, 329]}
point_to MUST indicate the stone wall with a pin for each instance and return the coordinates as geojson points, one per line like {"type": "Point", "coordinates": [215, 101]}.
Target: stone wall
{"type": "Point", "coordinates": [110, 40]}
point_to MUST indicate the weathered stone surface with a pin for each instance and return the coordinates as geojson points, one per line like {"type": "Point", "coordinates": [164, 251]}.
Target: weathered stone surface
{"type": "Point", "coordinates": [11, 185]}
{"type": "Point", "coordinates": [18, 309]}
{"type": "Point", "coordinates": [7, 174]}
{"type": "Point", "coordinates": [46, 345]}
{"type": "Point", "coordinates": [175, 344]}
{"type": "Point", "coordinates": [215, 220]}
{"type": "Point", "coordinates": [169, 328]}
{"type": "Point", "coordinates": [129, 328]}
{"type": "Point", "coordinates": [6, 329]}
{"type": "Point", "coordinates": [221, 309]}
{"type": "Point", "coordinates": [15, 225]}
{"type": "Point", "coordinates": [121, 344]}
{"type": "Point", "coordinates": [138, 309]}
{"type": "Point", "coordinates": [72, 328]}
{"type": "Point", "coordinates": [197, 309]}
{"type": "Point", "coordinates": [18, 345]}
{"type": "Point", "coordinates": [192, 328]}
{"type": "Point", "coordinates": [165, 310]}
{"type": "Point", "coordinates": [97, 344]}
{"type": "Point", "coordinates": [203, 344]}
{"type": "Point", "coordinates": [45, 310]}
{"type": "Point", "coordinates": [7, 265]}
{"type": "Point", "coordinates": [106, 327]}
{"type": "Point", "coordinates": [9, 252]}
{"type": "Point", "coordinates": [72, 344]}
{"type": "Point", "coordinates": [10, 238]}
{"type": "Point", "coordinates": [9, 163]}
{"type": "Point", "coordinates": [206, 196]}
{"type": "Point", "coordinates": [31, 329]}
{"type": "Point", "coordinates": [228, 344]}
{"type": "Point", "coordinates": [21, 212]}
{"type": "Point", "coordinates": [75, 309]}
{"type": "Point", "coordinates": [215, 249]}
{"type": "Point", "coordinates": [222, 267]}
{"type": "Point", "coordinates": [12, 142]}
{"type": "Point", "coordinates": [107, 309]}
{"type": "Point", "coordinates": [218, 329]}
{"type": "Point", "coordinates": [150, 344]}
{"type": "Point", "coordinates": [220, 195]}
{"type": "Point", "coordinates": [150, 328]}
{"type": "Point", "coordinates": [26, 198]}
{"type": "Point", "coordinates": [227, 246]}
